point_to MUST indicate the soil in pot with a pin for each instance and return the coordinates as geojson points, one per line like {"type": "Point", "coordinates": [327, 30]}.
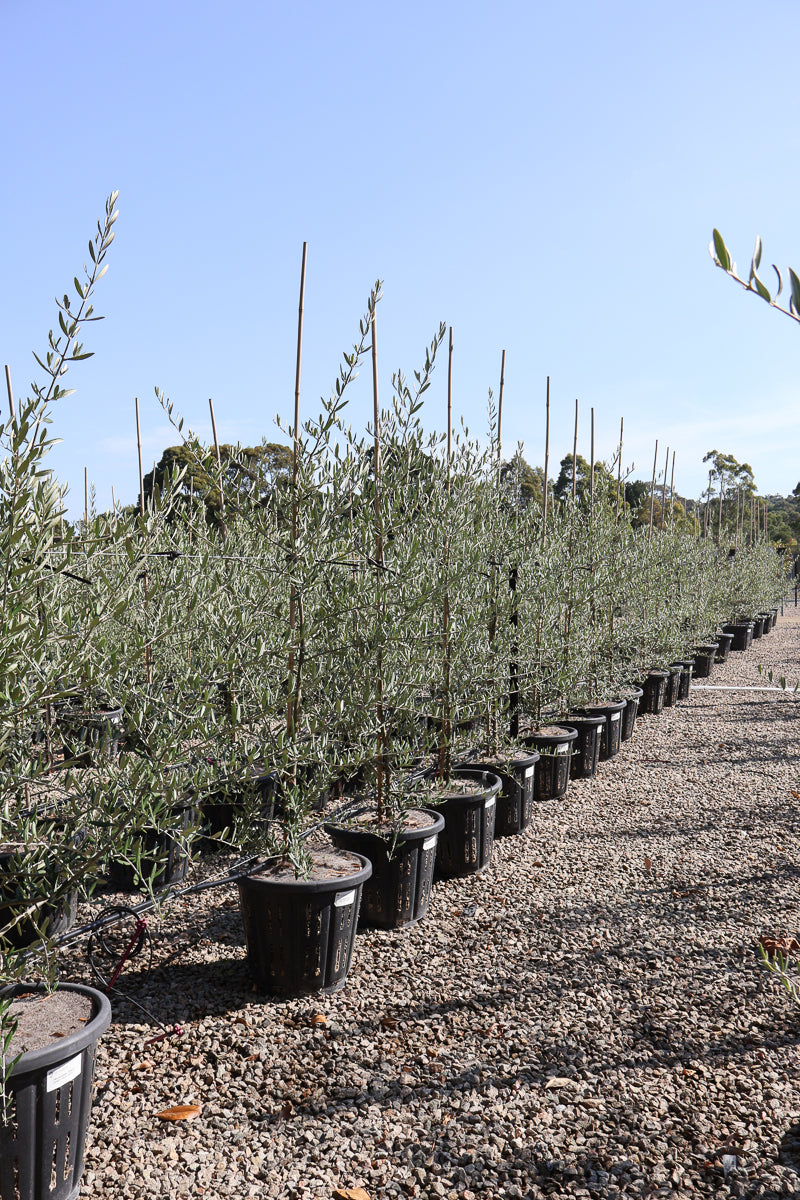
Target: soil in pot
{"type": "Point", "coordinates": [516, 769]}
{"type": "Point", "coordinates": [300, 933]}
{"type": "Point", "coordinates": [630, 712]}
{"type": "Point", "coordinates": [398, 892]}
{"type": "Point", "coordinates": [50, 1090]}
{"type": "Point", "coordinates": [468, 803]}
{"type": "Point", "coordinates": [586, 748]}
{"type": "Point", "coordinates": [554, 744]}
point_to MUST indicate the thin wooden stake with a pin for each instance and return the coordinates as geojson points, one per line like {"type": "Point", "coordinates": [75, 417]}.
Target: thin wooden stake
{"type": "Point", "coordinates": [291, 704]}
{"type": "Point", "coordinates": [591, 469]}
{"type": "Point", "coordinates": [619, 471]}
{"type": "Point", "coordinates": [148, 663]}
{"type": "Point", "coordinates": [10, 395]}
{"type": "Point", "coordinates": [444, 744]}
{"type": "Point", "coordinates": [85, 501]}
{"type": "Point", "coordinates": [672, 494]}
{"type": "Point", "coordinates": [664, 490]}
{"type": "Point", "coordinates": [381, 764]}
{"type": "Point", "coordinates": [575, 454]}
{"type": "Point", "coordinates": [500, 417]}
{"type": "Point", "coordinates": [546, 462]}
{"type": "Point", "coordinates": [653, 493]}
{"type": "Point", "coordinates": [719, 522]}
{"type": "Point", "coordinates": [219, 469]}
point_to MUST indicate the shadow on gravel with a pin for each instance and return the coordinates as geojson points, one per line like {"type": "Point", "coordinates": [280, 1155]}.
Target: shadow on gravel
{"type": "Point", "coordinates": [789, 1153]}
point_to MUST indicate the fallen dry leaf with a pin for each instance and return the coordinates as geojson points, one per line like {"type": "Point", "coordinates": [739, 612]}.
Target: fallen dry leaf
{"type": "Point", "coordinates": [647, 864]}
{"type": "Point", "coordinates": [786, 945]}
{"type": "Point", "coordinates": [558, 1081]}
{"type": "Point", "coordinates": [319, 1019]}
{"type": "Point", "coordinates": [180, 1112]}
{"type": "Point", "coordinates": [356, 1193]}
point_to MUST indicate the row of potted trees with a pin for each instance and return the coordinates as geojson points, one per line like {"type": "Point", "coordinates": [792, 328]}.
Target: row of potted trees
{"type": "Point", "coordinates": [395, 626]}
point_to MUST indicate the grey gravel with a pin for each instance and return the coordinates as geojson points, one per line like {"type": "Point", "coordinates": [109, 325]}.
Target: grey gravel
{"type": "Point", "coordinates": [589, 1017]}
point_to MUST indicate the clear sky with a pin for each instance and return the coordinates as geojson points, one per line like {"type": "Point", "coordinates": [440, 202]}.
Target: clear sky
{"type": "Point", "coordinates": [542, 176]}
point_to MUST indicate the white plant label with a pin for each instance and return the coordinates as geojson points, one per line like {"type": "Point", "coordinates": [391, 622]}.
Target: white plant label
{"type": "Point", "coordinates": [489, 804]}
{"type": "Point", "coordinates": [344, 899]}
{"type": "Point", "coordinates": [616, 716]}
{"type": "Point", "coordinates": [65, 1073]}
{"type": "Point", "coordinates": [429, 843]}
{"type": "Point", "coordinates": [562, 748]}
{"type": "Point", "coordinates": [528, 772]}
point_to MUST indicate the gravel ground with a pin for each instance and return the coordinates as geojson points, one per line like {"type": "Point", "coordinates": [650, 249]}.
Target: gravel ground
{"type": "Point", "coordinates": [589, 1017]}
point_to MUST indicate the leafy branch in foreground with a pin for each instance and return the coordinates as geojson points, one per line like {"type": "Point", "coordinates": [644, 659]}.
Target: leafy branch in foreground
{"type": "Point", "coordinates": [721, 257]}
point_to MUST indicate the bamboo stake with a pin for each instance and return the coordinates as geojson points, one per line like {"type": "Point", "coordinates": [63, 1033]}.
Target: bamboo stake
{"type": "Point", "coordinates": [381, 760]}
{"type": "Point", "coordinates": [85, 501]}
{"type": "Point", "coordinates": [672, 494]}
{"type": "Point", "coordinates": [653, 493]}
{"type": "Point", "coordinates": [708, 506]}
{"type": "Point", "coordinates": [500, 416]}
{"type": "Point", "coordinates": [719, 523]}
{"type": "Point", "coordinates": [291, 705]}
{"type": "Point", "coordinates": [10, 395]}
{"type": "Point", "coordinates": [145, 578]}
{"type": "Point", "coordinates": [664, 491]}
{"type": "Point", "coordinates": [619, 471]}
{"type": "Point", "coordinates": [444, 744]}
{"type": "Point", "coordinates": [219, 469]}
{"type": "Point", "coordinates": [575, 454]}
{"type": "Point", "coordinates": [591, 469]}
{"type": "Point", "coordinates": [546, 461]}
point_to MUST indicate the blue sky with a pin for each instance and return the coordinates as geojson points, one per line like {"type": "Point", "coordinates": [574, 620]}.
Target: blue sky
{"type": "Point", "coordinates": [543, 177]}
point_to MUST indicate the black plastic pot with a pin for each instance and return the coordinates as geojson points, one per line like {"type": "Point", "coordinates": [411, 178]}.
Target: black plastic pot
{"type": "Point", "coordinates": [515, 801]}
{"type": "Point", "coordinates": [398, 892]}
{"type": "Point", "coordinates": [767, 619]}
{"type": "Point", "coordinates": [551, 779]}
{"type": "Point", "coordinates": [704, 659]}
{"type": "Point", "coordinates": [465, 844]}
{"type": "Point", "coordinates": [586, 749]}
{"type": "Point", "coordinates": [630, 712]}
{"type": "Point", "coordinates": [300, 933]}
{"type": "Point", "coordinates": [220, 810]}
{"type": "Point", "coordinates": [673, 688]}
{"type": "Point", "coordinates": [654, 686]}
{"type": "Point", "coordinates": [611, 731]}
{"type": "Point", "coordinates": [724, 641]}
{"type": "Point", "coordinates": [51, 918]}
{"type": "Point", "coordinates": [742, 634]}
{"type": "Point", "coordinates": [161, 848]}
{"type": "Point", "coordinates": [687, 671]}
{"type": "Point", "coordinates": [88, 737]}
{"type": "Point", "coordinates": [50, 1099]}
{"type": "Point", "coordinates": [57, 914]}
